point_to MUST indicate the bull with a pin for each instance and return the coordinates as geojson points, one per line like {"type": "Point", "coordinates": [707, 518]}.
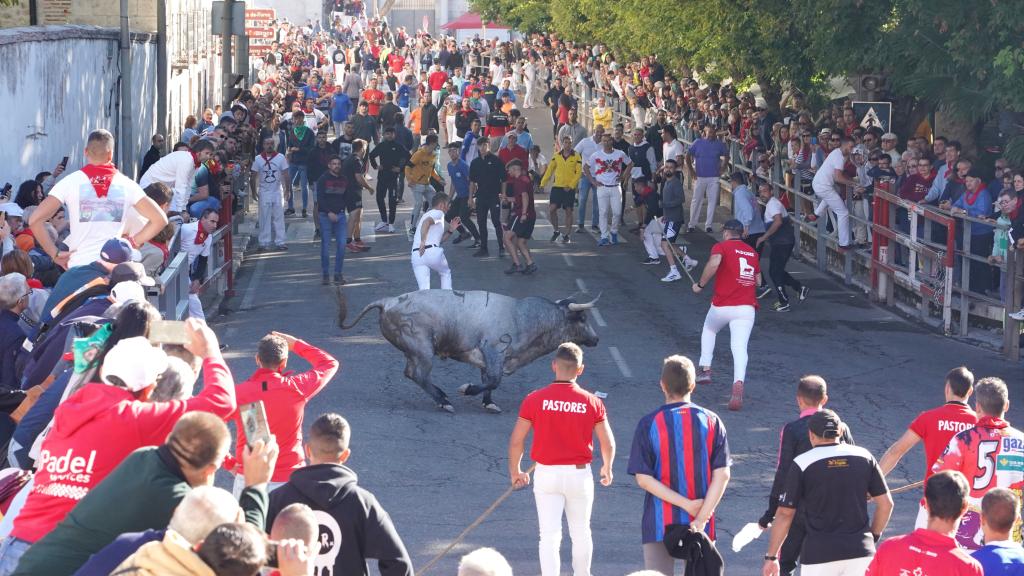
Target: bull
{"type": "Point", "coordinates": [498, 334]}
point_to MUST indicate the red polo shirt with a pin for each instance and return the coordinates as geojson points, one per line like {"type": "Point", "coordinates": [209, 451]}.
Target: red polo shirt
{"type": "Point", "coordinates": [563, 416]}
{"type": "Point", "coordinates": [937, 427]}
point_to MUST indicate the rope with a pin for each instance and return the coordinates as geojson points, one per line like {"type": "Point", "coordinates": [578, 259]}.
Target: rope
{"type": "Point", "coordinates": [471, 527]}
{"type": "Point", "coordinates": [908, 487]}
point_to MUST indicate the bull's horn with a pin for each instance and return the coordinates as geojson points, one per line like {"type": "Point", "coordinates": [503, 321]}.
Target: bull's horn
{"type": "Point", "coordinates": [574, 307]}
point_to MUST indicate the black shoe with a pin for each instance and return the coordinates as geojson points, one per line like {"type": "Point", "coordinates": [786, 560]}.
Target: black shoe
{"type": "Point", "coordinates": [709, 230]}
{"type": "Point", "coordinates": [475, 244]}
{"type": "Point", "coordinates": [459, 239]}
{"type": "Point", "coordinates": [289, 212]}
{"type": "Point", "coordinates": [596, 229]}
{"type": "Point", "coordinates": [690, 230]}
{"type": "Point", "coordinates": [482, 252]}
{"type": "Point", "coordinates": [566, 239]}
{"type": "Point", "coordinates": [803, 293]}
{"type": "Point", "coordinates": [513, 269]}
{"type": "Point", "coordinates": [316, 235]}
{"type": "Point", "coordinates": [650, 260]}
{"type": "Point", "coordinates": [303, 213]}
{"type": "Point", "coordinates": [580, 230]}
{"type": "Point", "coordinates": [555, 236]}
{"type": "Point", "coordinates": [339, 279]}
{"type": "Point", "coordinates": [501, 252]}
{"type": "Point", "coordinates": [325, 280]}
{"type": "Point", "coordinates": [530, 268]}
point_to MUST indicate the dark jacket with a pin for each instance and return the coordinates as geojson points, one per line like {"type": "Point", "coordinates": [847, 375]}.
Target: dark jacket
{"type": "Point", "coordinates": [110, 557]}
{"type": "Point", "coordinates": [352, 519]}
{"type": "Point", "coordinates": [140, 494]}
{"type": "Point", "coordinates": [305, 140]}
{"type": "Point", "coordinates": [151, 157]}
{"type": "Point", "coordinates": [696, 549]}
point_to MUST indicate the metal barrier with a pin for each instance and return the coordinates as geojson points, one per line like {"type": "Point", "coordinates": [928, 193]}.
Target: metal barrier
{"type": "Point", "coordinates": [945, 282]}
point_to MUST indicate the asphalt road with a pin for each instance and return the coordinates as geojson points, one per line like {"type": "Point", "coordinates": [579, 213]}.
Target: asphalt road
{"type": "Point", "coordinates": [436, 472]}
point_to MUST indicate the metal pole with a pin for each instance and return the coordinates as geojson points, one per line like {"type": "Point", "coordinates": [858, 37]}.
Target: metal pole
{"type": "Point", "coordinates": [225, 57]}
{"type": "Point", "coordinates": [161, 69]}
{"type": "Point", "coordinates": [127, 144]}
{"type": "Point", "coordinates": [242, 58]}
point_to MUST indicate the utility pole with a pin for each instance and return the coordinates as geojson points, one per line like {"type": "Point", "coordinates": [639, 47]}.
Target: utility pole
{"type": "Point", "coordinates": [161, 70]}
{"type": "Point", "coordinates": [127, 139]}
{"type": "Point", "coordinates": [225, 62]}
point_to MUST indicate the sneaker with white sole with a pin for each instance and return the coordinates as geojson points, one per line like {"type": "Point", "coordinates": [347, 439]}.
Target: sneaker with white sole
{"type": "Point", "coordinates": [704, 376]}
{"type": "Point", "coordinates": [380, 226]}
{"type": "Point", "coordinates": [650, 260]}
{"type": "Point", "coordinates": [736, 401]}
{"type": "Point", "coordinates": [673, 276]}
{"type": "Point", "coordinates": [391, 228]}
{"type": "Point", "coordinates": [1018, 315]}
{"type": "Point", "coordinates": [689, 263]}
{"type": "Point", "coordinates": [804, 290]}
{"type": "Point", "coordinates": [781, 306]}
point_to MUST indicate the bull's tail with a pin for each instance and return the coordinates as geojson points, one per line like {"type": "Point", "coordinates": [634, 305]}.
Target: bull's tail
{"type": "Point", "coordinates": [378, 304]}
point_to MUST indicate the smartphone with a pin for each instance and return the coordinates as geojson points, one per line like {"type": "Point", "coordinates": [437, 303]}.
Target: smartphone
{"type": "Point", "coordinates": [64, 162]}
{"type": "Point", "coordinates": [168, 332]}
{"type": "Point", "coordinates": [254, 420]}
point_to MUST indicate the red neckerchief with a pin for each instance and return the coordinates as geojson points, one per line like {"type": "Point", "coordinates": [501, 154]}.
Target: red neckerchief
{"type": "Point", "coordinates": [266, 158]}
{"type": "Point", "coordinates": [201, 234]}
{"type": "Point", "coordinates": [971, 198]}
{"type": "Point", "coordinates": [992, 422]}
{"type": "Point", "coordinates": [163, 248]}
{"type": "Point", "coordinates": [195, 158]}
{"type": "Point", "coordinates": [100, 176]}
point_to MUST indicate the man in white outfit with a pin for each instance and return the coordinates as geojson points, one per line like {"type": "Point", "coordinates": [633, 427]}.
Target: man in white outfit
{"type": "Point", "coordinates": [197, 243]}
{"type": "Point", "coordinates": [828, 175]}
{"type": "Point", "coordinates": [427, 253]}
{"type": "Point", "coordinates": [177, 170]}
{"type": "Point", "coordinates": [271, 169]}
{"type": "Point", "coordinates": [607, 169]}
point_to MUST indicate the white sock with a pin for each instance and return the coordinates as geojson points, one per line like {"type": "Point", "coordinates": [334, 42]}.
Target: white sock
{"type": "Point", "coordinates": [673, 270]}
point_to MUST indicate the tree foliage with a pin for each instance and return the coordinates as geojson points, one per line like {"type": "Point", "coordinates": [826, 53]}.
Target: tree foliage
{"type": "Point", "coordinates": [964, 58]}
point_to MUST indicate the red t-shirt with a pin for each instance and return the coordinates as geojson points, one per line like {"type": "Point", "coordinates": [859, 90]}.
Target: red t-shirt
{"type": "Point", "coordinates": [373, 98]}
{"type": "Point", "coordinates": [520, 190]}
{"type": "Point", "coordinates": [508, 154]}
{"type": "Point", "coordinates": [923, 552]}
{"type": "Point", "coordinates": [437, 79]}
{"type": "Point", "coordinates": [736, 279]}
{"type": "Point", "coordinates": [396, 62]}
{"type": "Point", "coordinates": [937, 426]}
{"type": "Point", "coordinates": [563, 416]}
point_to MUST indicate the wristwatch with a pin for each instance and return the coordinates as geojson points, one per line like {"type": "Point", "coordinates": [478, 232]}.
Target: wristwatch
{"type": "Point", "coordinates": [770, 558]}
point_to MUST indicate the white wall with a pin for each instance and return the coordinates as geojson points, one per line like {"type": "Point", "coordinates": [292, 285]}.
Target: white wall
{"type": "Point", "coordinates": [58, 83]}
{"type": "Point", "coordinates": [296, 11]}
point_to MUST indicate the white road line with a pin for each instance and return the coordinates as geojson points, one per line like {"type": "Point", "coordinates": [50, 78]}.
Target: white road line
{"type": "Point", "coordinates": [250, 290]}
{"type": "Point", "coordinates": [620, 362]}
{"type": "Point", "coordinates": [567, 258]}
{"type": "Point", "coordinates": [598, 318]}
{"type": "Point", "coordinates": [581, 285]}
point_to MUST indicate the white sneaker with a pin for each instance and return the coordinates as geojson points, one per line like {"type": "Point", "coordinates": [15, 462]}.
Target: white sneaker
{"type": "Point", "coordinates": [672, 276]}
{"type": "Point", "coordinates": [381, 226]}
{"type": "Point", "coordinates": [689, 263]}
{"type": "Point", "coordinates": [1018, 315]}
{"type": "Point", "coordinates": [391, 228]}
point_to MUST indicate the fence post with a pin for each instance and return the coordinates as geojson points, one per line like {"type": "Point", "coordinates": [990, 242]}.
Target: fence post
{"type": "Point", "coordinates": [1011, 327]}
{"type": "Point", "coordinates": [965, 276]}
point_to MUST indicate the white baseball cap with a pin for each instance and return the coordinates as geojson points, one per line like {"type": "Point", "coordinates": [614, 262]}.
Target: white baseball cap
{"type": "Point", "coordinates": [128, 291]}
{"type": "Point", "coordinates": [135, 362]}
{"type": "Point", "coordinates": [12, 209]}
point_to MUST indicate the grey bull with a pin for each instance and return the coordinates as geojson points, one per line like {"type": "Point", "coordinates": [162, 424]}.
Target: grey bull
{"type": "Point", "coordinates": [498, 334]}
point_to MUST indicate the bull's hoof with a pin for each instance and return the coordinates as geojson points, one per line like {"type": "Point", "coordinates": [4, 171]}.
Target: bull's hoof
{"type": "Point", "coordinates": [447, 408]}
{"type": "Point", "coordinates": [492, 408]}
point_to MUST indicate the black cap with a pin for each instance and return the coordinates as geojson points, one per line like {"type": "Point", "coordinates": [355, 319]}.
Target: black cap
{"type": "Point", "coordinates": [733, 225]}
{"type": "Point", "coordinates": [825, 424]}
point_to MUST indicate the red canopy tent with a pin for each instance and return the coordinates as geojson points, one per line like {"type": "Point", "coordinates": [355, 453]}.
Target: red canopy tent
{"type": "Point", "coordinates": [471, 21]}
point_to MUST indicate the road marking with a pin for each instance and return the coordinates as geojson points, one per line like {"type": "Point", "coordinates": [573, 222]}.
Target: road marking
{"type": "Point", "coordinates": [581, 285]}
{"type": "Point", "coordinates": [250, 290]}
{"type": "Point", "coordinates": [568, 260]}
{"type": "Point", "coordinates": [621, 362]}
{"type": "Point", "coordinates": [598, 318]}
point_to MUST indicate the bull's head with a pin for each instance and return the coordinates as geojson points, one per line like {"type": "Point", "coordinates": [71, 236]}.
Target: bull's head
{"type": "Point", "coordinates": [577, 328]}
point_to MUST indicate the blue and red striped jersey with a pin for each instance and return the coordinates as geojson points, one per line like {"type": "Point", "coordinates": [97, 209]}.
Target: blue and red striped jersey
{"type": "Point", "coordinates": [680, 445]}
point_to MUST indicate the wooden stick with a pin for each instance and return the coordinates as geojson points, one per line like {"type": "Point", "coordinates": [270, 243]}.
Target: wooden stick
{"type": "Point", "coordinates": [470, 528]}
{"type": "Point", "coordinates": [908, 487]}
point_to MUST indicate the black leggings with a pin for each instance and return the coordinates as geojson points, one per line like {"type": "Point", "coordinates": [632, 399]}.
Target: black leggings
{"type": "Point", "coordinates": [777, 258]}
{"type": "Point", "coordinates": [460, 208]}
{"type": "Point", "coordinates": [387, 185]}
{"type": "Point", "coordinates": [485, 206]}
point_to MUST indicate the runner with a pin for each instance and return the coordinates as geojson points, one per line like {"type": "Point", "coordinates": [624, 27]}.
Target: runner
{"type": "Point", "coordinates": [271, 170]}
{"type": "Point", "coordinates": [990, 455]}
{"type": "Point", "coordinates": [672, 197]}
{"type": "Point", "coordinates": [607, 169]}
{"type": "Point", "coordinates": [519, 189]}
{"type": "Point", "coordinates": [936, 427]}
{"type": "Point", "coordinates": [733, 304]}
{"type": "Point", "coordinates": [427, 253]}
{"type": "Point", "coordinates": [782, 238]}
{"type": "Point", "coordinates": [566, 167]}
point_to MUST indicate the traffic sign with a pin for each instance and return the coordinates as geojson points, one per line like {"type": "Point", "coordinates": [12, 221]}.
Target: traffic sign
{"type": "Point", "coordinates": [259, 30]}
{"type": "Point", "coordinates": [873, 114]}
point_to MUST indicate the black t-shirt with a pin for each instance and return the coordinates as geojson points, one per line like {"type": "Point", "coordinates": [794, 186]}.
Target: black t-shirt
{"type": "Point", "coordinates": [350, 167]}
{"type": "Point", "coordinates": [343, 146]}
{"type": "Point", "coordinates": [331, 192]}
{"type": "Point", "coordinates": [488, 173]}
{"type": "Point", "coordinates": [828, 484]}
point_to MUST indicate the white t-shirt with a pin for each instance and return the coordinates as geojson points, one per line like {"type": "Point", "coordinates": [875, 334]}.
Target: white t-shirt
{"type": "Point", "coordinates": [586, 147]}
{"type": "Point", "coordinates": [270, 173]}
{"type": "Point", "coordinates": [177, 171]}
{"type": "Point", "coordinates": [774, 207]}
{"type": "Point", "coordinates": [825, 177]}
{"type": "Point", "coordinates": [311, 119]}
{"type": "Point", "coordinates": [188, 242]}
{"type": "Point", "coordinates": [436, 229]}
{"type": "Point", "coordinates": [94, 220]}
{"type": "Point", "coordinates": [607, 167]}
{"type": "Point", "coordinates": [672, 150]}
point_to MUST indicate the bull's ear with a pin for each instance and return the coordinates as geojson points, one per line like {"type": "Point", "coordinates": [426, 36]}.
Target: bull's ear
{"type": "Point", "coordinates": [563, 302]}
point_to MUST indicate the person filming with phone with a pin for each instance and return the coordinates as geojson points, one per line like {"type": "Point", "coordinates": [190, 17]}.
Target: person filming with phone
{"type": "Point", "coordinates": [283, 396]}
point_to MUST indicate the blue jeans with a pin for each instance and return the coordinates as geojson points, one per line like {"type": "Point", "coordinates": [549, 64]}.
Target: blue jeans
{"type": "Point", "coordinates": [581, 210]}
{"type": "Point", "coordinates": [197, 208]}
{"type": "Point", "coordinates": [11, 552]}
{"type": "Point", "coordinates": [339, 230]}
{"type": "Point", "coordinates": [300, 177]}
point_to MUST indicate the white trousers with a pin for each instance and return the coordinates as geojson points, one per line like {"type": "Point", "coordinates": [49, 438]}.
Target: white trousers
{"type": "Point", "coordinates": [528, 97]}
{"type": "Point", "coordinates": [609, 204]}
{"type": "Point", "coordinates": [271, 221]}
{"type": "Point", "coordinates": [861, 234]}
{"type": "Point", "coordinates": [851, 567]}
{"type": "Point", "coordinates": [435, 97]}
{"type": "Point", "coordinates": [239, 485]}
{"type": "Point", "coordinates": [652, 239]}
{"type": "Point", "coordinates": [740, 320]}
{"type": "Point", "coordinates": [432, 259]}
{"type": "Point", "coordinates": [195, 307]}
{"type": "Point", "coordinates": [706, 186]}
{"type": "Point", "coordinates": [831, 200]}
{"type": "Point", "coordinates": [569, 489]}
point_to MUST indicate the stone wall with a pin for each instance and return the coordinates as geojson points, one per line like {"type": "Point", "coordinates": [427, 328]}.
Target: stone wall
{"type": "Point", "coordinates": [15, 16]}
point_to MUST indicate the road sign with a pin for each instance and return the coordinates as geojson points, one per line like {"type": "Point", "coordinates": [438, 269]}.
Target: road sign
{"type": "Point", "coordinates": [217, 18]}
{"type": "Point", "coordinates": [873, 114]}
{"type": "Point", "coordinates": [259, 30]}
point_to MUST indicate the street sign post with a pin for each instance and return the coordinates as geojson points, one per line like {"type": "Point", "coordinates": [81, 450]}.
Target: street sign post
{"type": "Point", "coordinates": [873, 114]}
